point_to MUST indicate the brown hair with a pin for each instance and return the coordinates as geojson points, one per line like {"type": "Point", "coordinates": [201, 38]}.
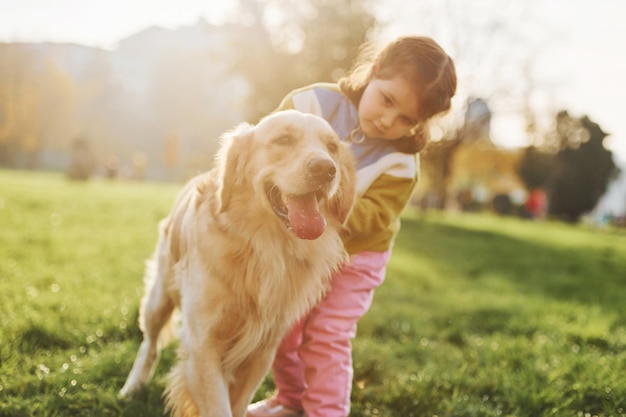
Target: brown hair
{"type": "Point", "coordinates": [422, 62]}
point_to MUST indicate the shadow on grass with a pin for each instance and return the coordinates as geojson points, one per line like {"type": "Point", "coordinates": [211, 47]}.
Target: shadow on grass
{"type": "Point", "coordinates": [587, 275]}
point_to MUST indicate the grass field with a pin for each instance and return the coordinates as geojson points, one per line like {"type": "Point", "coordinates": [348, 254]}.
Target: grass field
{"type": "Point", "coordinates": [479, 315]}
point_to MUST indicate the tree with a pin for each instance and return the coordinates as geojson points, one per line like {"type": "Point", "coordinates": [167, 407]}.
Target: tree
{"type": "Point", "coordinates": [582, 169]}
{"type": "Point", "coordinates": [37, 101]}
{"type": "Point", "coordinates": [286, 45]}
{"type": "Point", "coordinates": [535, 166]}
{"type": "Point", "coordinates": [439, 156]}
{"type": "Point", "coordinates": [333, 30]}
{"type": "Point", "coordinates": [17, 102]}
{"type": "Point", "coordinates": [55, 113]}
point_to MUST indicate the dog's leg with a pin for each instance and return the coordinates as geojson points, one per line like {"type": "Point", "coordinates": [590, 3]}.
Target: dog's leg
{"type": "Point", "coordinates": [156, 311]}
{"type": "Point", "coordinates": [248, 378]}
{"type": "Point", "coordinates": [203, 382]}
{"type": "Point", "coordinates": [199, 375]}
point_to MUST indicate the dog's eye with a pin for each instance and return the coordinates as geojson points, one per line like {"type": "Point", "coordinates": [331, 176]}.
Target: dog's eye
{"type": "Point", "coordinates": [284, 140]}
{"type": "Point", "coordinates": [332, 147]}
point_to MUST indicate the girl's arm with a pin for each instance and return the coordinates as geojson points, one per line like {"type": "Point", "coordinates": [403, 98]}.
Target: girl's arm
{"type": "Point", "coordinates": [379, 206]}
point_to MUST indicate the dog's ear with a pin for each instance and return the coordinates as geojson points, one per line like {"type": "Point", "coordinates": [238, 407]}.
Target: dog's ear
{"type": "Point", "coordinates": [342, 202]}
{"type": "Point", "coordinates": [231, 160]}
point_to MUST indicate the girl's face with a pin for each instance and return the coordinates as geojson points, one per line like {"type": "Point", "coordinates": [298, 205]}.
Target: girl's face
{"type": "Point", "coordinates": [388, 108]}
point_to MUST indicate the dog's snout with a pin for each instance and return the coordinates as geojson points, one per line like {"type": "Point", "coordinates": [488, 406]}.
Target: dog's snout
{"type": "Point", "coordinates": [322, 169]}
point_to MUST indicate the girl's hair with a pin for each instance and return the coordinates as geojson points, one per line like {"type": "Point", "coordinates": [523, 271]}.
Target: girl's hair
{"type": "Point", "coordinates": [422, 62]}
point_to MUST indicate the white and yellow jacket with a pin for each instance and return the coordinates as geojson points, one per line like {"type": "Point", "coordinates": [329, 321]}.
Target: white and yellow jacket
{"type": "Point", "coordinates": [386, 177]}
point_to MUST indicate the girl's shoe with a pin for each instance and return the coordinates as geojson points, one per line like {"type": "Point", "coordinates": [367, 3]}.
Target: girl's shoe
{"type": "Point", "coordinates": [271, 408]}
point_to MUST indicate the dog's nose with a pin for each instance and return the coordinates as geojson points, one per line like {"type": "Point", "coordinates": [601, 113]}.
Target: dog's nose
{"type": "Point", "coordinates": [322, 170]}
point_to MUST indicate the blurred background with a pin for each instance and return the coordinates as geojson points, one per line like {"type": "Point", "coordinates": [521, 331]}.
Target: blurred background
{"type": "Point", "coordinates": [142, 90]}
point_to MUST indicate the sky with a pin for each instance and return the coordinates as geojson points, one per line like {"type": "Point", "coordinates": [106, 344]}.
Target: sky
{"type": "Point", "coordinates": [587, 60]}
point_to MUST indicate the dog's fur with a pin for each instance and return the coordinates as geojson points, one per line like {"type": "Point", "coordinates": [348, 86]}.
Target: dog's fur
{"type": "Point", "coordinates": [238, 269]}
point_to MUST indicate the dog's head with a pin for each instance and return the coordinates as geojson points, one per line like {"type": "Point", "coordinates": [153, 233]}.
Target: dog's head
{"type": "Point", "coordinates": [298, 166]}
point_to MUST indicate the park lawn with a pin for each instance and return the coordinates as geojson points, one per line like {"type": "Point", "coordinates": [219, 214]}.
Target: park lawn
{"type": "Point", "coordinates": [479, 315]}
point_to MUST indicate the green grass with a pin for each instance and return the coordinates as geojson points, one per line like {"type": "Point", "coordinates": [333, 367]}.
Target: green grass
{"type": "Point", "coordinates": [479, 315]}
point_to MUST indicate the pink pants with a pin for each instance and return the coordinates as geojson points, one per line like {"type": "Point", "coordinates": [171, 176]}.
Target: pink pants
{"type": "Point", "coordinates": [313, 365]}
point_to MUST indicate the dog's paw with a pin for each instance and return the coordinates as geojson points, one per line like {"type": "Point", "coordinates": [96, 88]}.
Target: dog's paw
{"type": "Point", "coordinates": [129, 390]}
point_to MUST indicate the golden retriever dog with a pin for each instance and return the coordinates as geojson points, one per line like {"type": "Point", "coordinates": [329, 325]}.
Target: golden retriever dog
{"type": "Point", "coordinates": [248, 247]}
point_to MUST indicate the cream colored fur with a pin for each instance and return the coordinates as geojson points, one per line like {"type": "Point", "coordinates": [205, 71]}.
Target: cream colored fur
{"type": "Point", "coordinates": [238, 275]}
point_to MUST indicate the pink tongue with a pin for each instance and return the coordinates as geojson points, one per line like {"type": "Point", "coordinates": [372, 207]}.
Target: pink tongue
{"type": "Point", "coordinates": [305, 218]}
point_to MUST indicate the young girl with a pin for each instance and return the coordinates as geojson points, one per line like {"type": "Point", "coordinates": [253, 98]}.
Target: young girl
{"type": "Point", "coordinates": [381, 108]}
